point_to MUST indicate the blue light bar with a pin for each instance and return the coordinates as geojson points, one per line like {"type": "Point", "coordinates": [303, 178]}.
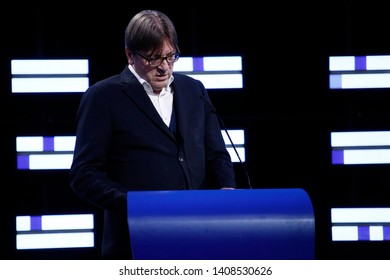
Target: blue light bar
{"type": "Point", "coordinates": [55, 231]}
{"type": "Point", "coordinates": [360, 147]}
{"type": "Point", "coordinates": [359, 72]}
{"type": "Point", "coordinates": [56, 152]}
{"type": "Point", "coordinates": [360, 224]}
{"type": "Point", "coordinates": [44, 152]}
{"type": "Point", "coordinates": [215, 72]}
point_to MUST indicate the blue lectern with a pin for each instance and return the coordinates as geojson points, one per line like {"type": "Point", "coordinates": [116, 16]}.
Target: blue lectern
{"type": "Point", "coordinates": [273, 224]}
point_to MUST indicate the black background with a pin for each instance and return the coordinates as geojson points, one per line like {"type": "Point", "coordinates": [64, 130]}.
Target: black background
{"type": "Point", "coordinates": [285, 107]}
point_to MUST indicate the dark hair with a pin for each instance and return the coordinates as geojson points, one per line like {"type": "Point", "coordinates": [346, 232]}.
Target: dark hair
{"type": "Point", "coordinates": [147, 31]}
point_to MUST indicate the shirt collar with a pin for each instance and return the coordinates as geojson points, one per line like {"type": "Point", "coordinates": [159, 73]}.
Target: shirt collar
{"type": "Point", "coordinates": [145, 84]}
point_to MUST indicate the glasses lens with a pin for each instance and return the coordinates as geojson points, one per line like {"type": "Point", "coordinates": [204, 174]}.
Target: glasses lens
{"type": "Point", "coordinates": [158, 61]}
{"type": "Point", "coordinates": [155, 61]}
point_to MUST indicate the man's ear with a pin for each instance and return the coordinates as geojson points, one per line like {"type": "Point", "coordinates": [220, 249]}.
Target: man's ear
{"type": "Point", "coordinates": [129, 56]}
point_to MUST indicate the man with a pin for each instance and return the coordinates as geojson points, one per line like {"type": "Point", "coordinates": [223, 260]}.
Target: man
{"type": "Point", "coordinates": [145, 129]}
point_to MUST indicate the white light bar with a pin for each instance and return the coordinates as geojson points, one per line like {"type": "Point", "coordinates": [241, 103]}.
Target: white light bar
{"type": "Point", "coordinates": [71, 75]}
{"type": "Point", "coordinates": [215, 72]}
{"type": "Point", "coordinates": [360, 215]}
{"type": "Point", "coordinates": [49, 161]}
{"type": "Point", "coordinates": [54, 231]}
{"type": "Point", "coordinates": [360, 147]}
{"type": "Point", "coordinates": [219, 81]}
{"type": "Point", "coordinates": [345, 233]}
{"type": "Point", "coordinates": [49, 75]}
{"type": "Point", "coordinates": [360, 138]}
{"type": "Point", "coordinates": [56, 152]}
{"type": "Point", "coordinates": [374, 156]}
{"type": "Point", "coordinates": [359, 72]}
{"type": "Point", "coordinates": [44, 153]}
{"type": "Point", "coordinates": [54, 240]}
{"type": "Point", "coordinates": [360, 224]}
{"type": "Point", "coordinates": [208, 63]}
{"type": "Point", "coordinates": [49, 66]}
{"type": "Point", "coordinates": [233, 155]}
{"type": "Point", "coordinates": [238, 138]}
{"type": "Point", "coordinates": [47, 143]}
{"type": "Point", "coordinates": [41, 85]}
{"type": "Point", "coordinates": [54, 222]}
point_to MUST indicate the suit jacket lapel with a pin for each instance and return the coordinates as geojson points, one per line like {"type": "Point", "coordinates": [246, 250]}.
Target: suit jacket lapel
{"type": "Point", "coordinates": [135, 91]}
{"type": "Point", "coordinates": [180, 104]}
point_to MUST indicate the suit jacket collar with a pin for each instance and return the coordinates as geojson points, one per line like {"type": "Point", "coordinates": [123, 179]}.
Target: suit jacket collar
{"type": "Point", "coordinates": [180, 103]}
{"type": "Point", "coordinates": [136, 92]}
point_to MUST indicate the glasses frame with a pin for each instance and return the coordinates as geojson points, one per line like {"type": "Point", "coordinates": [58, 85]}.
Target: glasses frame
{"type": "Point", "coordinates": [151, 60]}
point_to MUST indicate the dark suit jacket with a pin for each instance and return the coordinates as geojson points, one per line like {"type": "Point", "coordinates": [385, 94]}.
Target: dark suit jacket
{"type": "Point", "coordinates": [122, 144]}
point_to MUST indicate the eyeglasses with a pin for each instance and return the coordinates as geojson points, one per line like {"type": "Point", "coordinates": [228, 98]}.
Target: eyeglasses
{"type": "Point", "coordinates": [156, 61]}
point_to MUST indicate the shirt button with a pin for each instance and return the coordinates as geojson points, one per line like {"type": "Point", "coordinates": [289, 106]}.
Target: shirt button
{"type": "Point", "coordinates": [181, 159]}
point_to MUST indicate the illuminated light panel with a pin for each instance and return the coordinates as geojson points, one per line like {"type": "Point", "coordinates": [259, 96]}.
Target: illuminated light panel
{"type": "Point", "coordinates": [44, 161]}
{"type": "Point", "coordinates": [71, 75]}
{"type": "Point", "coordinates": [56, 152]}
{"type": "Point", "coordinates": [219, 81]}
{"type": "Point", "coordinates": [215, 72]}
{"type": "Point", "coordinates": [41, 85]}
{"type": "Point", "coordinates": [360, 147]}
{"type": "Point", "coordinates": [45, 143]}
{"type": "Point", "coordinates": [359, 72]}
{"type": "Point", "coordinates": [360, 224]}
{"type": "Point", "coordinates": [55, 231]}
{"type": "Point", "coordinates": [238, 138]}
{"type": "Point", "coordinates": [44, 153]}
{"type": "Point", "coordinates": [49, 75]}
